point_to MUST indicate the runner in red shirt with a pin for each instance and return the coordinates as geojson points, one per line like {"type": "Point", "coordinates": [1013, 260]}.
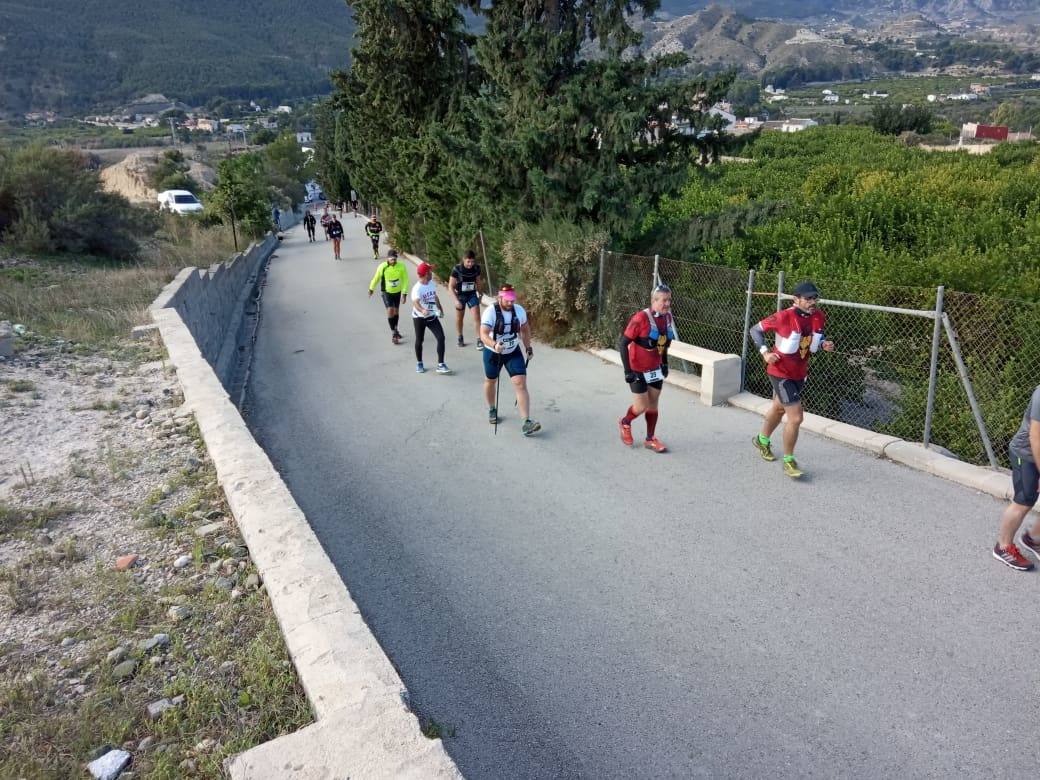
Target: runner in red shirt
{"type": "Point", "coordinates": [644, 354]}
{"type": "Point", "coordinates": [798, 332]}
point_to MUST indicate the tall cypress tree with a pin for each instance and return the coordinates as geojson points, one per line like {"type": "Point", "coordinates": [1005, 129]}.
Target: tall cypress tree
{"type": "Point", "coordinates": [571, 123]}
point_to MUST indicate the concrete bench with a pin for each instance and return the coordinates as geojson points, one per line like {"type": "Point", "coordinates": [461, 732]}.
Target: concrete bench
{"type": "Point", "coordinates": [720, 373]}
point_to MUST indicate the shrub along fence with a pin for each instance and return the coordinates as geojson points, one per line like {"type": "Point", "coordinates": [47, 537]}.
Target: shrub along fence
{"type": "Point", "coordinates": [943, 368]}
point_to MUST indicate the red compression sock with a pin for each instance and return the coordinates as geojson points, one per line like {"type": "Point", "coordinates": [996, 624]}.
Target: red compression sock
{"type": "Point", "coordinates": [630, 415]}
{"type": "Point", "coordinates": [651, 424]}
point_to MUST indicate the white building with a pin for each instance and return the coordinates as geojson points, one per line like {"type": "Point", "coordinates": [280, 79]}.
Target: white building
{"type": "Point", "coordinates": [831, 98]}
{"type": "Point", "coordinates": [304, 138]}
{"type": "Point", "coordinates": [797, 125]}
{"type": "Point", "coordinates": [283, 110]}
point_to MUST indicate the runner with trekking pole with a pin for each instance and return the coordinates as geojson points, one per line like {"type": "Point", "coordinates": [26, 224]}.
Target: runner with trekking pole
{"type": "Point", "coordinates": [502, 328]}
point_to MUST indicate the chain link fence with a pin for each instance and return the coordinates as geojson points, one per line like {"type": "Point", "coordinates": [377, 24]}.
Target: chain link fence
{"type": "Point", "coordinates": [946, 369]}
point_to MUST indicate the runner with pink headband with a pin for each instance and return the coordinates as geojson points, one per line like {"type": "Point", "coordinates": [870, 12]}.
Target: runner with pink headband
{"type": "Point", "coordinates": [502, 328]}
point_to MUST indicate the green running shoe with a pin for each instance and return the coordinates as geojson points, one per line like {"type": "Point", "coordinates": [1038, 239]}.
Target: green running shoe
{"type": "Point", "coordinates": [765, 450]}
{"type": "Point", "coordinates": [493, 416]}
{"type": "Point", "coordinates": [791, 468]}
{"type": "Point", "coordinates": [530, 426]}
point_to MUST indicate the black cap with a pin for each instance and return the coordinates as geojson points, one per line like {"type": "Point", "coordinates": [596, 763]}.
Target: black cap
{"type": "Point", "coordinates": [806, 290]}
{"type": "Point", "coordinates": [392, 253]}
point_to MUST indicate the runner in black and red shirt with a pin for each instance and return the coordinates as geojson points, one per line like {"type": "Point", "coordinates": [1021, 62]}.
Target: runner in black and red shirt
{"type": "Point", "coordinates": [644, 355]}
{"type": "Point", "coordinates": [798, 332]}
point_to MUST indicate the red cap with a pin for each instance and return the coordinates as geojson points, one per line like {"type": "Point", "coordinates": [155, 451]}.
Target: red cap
{"type": "Point", "coordinates": [423, 269]}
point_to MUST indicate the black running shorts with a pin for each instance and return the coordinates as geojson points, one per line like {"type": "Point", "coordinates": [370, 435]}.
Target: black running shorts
{"type": "Point", "coordinates": [392, 300]}
{"type": "Point", "coordinates": [640, 385]}
{"type": "Point", "coordinates": [1025, 478]}
{"type": "Point", "coordinates": [789, 391]}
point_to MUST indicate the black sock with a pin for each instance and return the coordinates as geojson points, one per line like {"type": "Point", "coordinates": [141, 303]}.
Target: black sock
{"type": "Point", "coordinates": [390, 322]}
{"type": "Point", "coordinates": [393, 322]}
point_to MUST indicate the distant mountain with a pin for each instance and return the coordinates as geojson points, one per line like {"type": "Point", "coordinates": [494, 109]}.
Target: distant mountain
{"type": "Point", "coordinates": [73, 55]}
{"type": "Point", "coordinates": [800, 9]}
{"type": "Point", "coordinates": [719, 37]}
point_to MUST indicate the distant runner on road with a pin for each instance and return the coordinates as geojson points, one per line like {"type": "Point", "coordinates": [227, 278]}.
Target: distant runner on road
{"type": "Point", "coordinates": [336, 234]}
{"type": "Point", "coordinates": [798, 334]}
{"type": "Point", "coordinates": [464, 284]}
{"type": "Point", "coordinates": [373, 229]}
{"type": "Point", "coordinates": [353, 202]}
{"type": "Point", "coordinates": [426, 314]}
{"type": "Point", "coordinates": [392, 279]}
{"type": "Point", "coordinates": [502, 328]}
{"type": "Point", "coordinates": [309, 222]}
{"type": "Point", "coordinates": [326, 219]}
{"type": "Point", "coordinates": [644, 354]}
{"type": "Point", "coordinates": [1025, 479]}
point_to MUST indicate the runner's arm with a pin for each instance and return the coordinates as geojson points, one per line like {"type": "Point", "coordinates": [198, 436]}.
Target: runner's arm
{"type": "Point", "coordinates": [525, 336]}
{"type": "Point", "coordinates": [377, 277]}
{"type": "Point", "coordinates": [485, 336]}
{"type": "Point", "coordinates": [622, 348]}
{"type": "Point", "coordinates": [451, 285]}
{"type": "Point", "coordinates": [758, 335]}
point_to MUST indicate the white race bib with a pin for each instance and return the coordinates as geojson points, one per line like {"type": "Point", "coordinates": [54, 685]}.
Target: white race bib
{"type": "Point", "coordinates": [653, 376]}
{"type": "Point", "coordinates": [469, 286]}
{"type": "Point", "coordinates": [508, 343]}
{"type": "Point", "coordinates": [391, 283]}
{"type": "Point", "coordinates": [431, 310]}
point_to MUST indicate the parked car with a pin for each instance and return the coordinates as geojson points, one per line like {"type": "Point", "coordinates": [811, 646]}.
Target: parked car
{"type": "Point", "coordinates": [179, 202]}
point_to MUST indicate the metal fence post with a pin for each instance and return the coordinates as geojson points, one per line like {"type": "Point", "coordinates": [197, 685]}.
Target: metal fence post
{"type": "Point", "coordinates": [487, 262]}
{"type": "Point", "coordinates": [657, 276]}
{"type": "Point", "coordinates": [599, 285]}
{"type": "Point", "coordinates": [747, 327]}
{"type": "Point", "coordinates": [780, 291]}
{"type": "Point", "coordinates": [958, 359]}
{"type": "Point", "coordinates": [933, 367]}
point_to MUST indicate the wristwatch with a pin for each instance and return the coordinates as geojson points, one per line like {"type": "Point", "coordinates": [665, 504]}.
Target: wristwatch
{"type": "Point", "coordinates": [763, 349]}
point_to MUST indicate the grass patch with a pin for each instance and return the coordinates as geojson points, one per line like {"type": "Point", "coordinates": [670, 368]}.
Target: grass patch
{"type": "Point", "coordinates": [93, 302]}
{"type": "Point", "coordinates": [20, 385]}
{"type": "Point", "coordinates": [15, 518]}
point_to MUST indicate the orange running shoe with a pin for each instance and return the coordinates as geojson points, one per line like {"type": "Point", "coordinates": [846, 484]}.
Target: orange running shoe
{"type": "Point", "coordinates": [626, 432]}
{"type": "Point", "coordinates": [655, 445]}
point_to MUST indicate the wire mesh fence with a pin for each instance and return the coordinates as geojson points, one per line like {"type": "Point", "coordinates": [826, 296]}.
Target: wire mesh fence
{"type": "Point", "coordinates": [986, 350]}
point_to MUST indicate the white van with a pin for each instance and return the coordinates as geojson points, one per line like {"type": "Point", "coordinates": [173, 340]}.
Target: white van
{"type": "Point", "coordinates": [179, 202]}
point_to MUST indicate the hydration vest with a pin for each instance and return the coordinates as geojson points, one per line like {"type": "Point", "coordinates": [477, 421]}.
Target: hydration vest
{"type": "Point", "coordinates": [500, 323]}
{"type": "Point", "coordinates": [655, 339]}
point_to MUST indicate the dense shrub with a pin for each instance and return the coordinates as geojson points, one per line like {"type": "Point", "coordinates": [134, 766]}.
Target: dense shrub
{"type": "Point", "coordinates": [51, 200]}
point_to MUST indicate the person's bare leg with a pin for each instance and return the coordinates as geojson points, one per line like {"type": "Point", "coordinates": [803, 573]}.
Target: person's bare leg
{"type": "Point", "coordinates": [794, 422]}
{"type": "Point", "coordinates": [772, 418]}
{"type": "Point", "coordinates": [523, 398]}
{"type": "Point", "coordinates": [1011, 521]}
{"type": "Point", "coordinates": [476, 322]}
{"type": "Point", "coordinates": [653, 396]}
{"type": "Point", "coordinates": [459, 313]}
{"type": "Point", "coordinates": [489, 392]}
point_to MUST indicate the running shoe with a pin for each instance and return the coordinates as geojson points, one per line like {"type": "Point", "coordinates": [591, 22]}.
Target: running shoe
{"type": "Point", "coordinates": [1030, 543]}
{"type": "Point", "coordinates": [493, 416]}
{"type": "Point", "coordinates": [398, 334]}
{"type": "Point", "coordinates": [420, 368]}
{"type": "Point", "coordinates": [461, 342]}
{"type": "Point", "coordinates": [442, 368]}
{"type": "Point", "coordinates": [791, 469]}
{"type": "Point", "coordinates": [395, 339]}
{"type": "Point", "coordinates": [480, 346]}
{"type": "Point", "coordinates": [655, 444]}
{"type": "Point", "coordinates": [1013, 558]}
{"type": "Point", "coordinates": [765, 450]}
{"type": "Point", "coordinates": [530, 427]}
{"type": "Point", "coordinates": [626, 432]}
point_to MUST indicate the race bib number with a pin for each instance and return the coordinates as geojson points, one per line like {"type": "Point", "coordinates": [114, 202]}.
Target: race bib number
{"type": "Point", "coordinates": [469, 286]}
{"type": "Point", "coordinates": [431, 310]}
{"type": "Point", "coordinates": [508, 343]}
{"type": "Point", "coordinates": [653, 376]}
{"type": "Point", "coordinates": [393, 283]}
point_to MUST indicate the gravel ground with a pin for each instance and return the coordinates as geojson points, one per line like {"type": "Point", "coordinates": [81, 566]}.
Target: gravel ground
{"type": "Point", "coordinates": [123, 579]}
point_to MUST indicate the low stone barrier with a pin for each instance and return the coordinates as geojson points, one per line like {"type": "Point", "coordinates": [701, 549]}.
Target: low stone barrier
{"type": "Point", "coordinates": [363, 727]}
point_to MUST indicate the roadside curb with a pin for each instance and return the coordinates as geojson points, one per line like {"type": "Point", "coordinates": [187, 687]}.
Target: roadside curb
{"type": "Point", "coordinates": [363, 727]}
{"type": "Point", "coordinates": [994, 483]}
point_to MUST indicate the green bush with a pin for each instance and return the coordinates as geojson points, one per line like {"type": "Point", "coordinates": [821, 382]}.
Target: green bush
{"type": "Point", "coordinates": [553, 264]}
{"type": "Point", "coordinates": [51, 200]}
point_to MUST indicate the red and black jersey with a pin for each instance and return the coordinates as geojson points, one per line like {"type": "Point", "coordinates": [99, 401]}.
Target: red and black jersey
{"type": "Point", "coordinates": [649, 334]}
{"type": "Point", "coordinates": [796, 336]}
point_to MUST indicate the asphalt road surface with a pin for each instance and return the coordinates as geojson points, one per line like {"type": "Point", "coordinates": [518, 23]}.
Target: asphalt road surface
{"type": "Point", "coordinates": [568, 607]}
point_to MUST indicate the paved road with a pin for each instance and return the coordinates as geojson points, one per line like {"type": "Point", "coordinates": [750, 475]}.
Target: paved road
{"type": "Point", "coordinates": [577, 609]}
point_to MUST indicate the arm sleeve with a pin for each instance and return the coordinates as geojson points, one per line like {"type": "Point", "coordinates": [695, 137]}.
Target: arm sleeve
{"type": "Point", "coordinates": [622, 348]}
{"type": "Point", "coordinates": [376, 278]}
{"type": "Point", "coordinates": [758, 336]}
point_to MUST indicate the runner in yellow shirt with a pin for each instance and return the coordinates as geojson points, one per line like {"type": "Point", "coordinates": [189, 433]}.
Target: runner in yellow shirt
{"type": "Point", "coordinates": [392, 279]}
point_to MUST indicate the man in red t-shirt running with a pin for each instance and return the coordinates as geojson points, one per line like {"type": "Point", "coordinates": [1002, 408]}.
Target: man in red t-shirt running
{"type": "Point", "coordinates": [798, 332]}
{"type": "Point", "coordinates": [644, 355]}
